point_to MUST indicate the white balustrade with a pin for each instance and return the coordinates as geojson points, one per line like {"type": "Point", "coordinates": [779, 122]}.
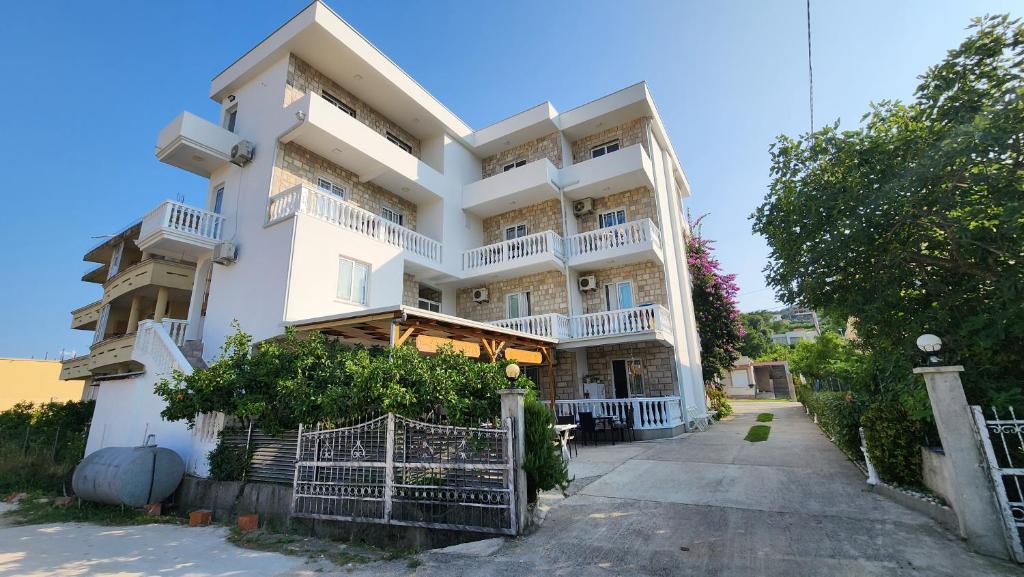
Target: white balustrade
{"type": "Point", "coordinates": [335, 210]}
{"type": "Point", "coordinates": [187, 220]}
{"type": "Point", "coordinates": [653, 318]}
{"type": "Point", "coordinates": [547, 242]}
{"type": "Point", "coordinates": [157, 351]}
{"type": "Point", "coordinates": [648, 412]}
{"type": "Point", "coordinates": [549, 325]}
{"type": "Point", "coordinates": [633, 233]}
{"type": "Point", "coordinates": [175, 329]}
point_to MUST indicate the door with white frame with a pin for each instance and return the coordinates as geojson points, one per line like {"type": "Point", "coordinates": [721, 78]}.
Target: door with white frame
{"type": "Point", "coordinates": [618, 295]}
{"type": "Point", "coordinates": [517, 305]}
{"type": "Point", "coordinates": [628, 378]}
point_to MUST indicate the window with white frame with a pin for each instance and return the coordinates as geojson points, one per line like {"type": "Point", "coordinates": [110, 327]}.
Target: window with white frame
{"type": "Point", "coordinates": [517, 305]}
{"type": "Point", "coordinates": [218, 200]}
{"type": "Point", "coordinates": [230, 116]}
{"type": "Point", "coordinates": [604, 148]}
{"type": "Point", "coordinates": [514, 164]}
{"type": "Point", "coordinates": [392, 216]}
{"type": "Point", "coordinates": [338, 103]}
{"type": "Point", "coordinates": [516, 231]}
{"type": "Point", "coordinates": [611, 218]}
{"type": "Point", "coordinates": [325, 185]}
{"type": "Point", "coordinates": [618, 295]}
{"type": "Point", "coordinates": [398, 142]}
{"type": "Point", "coordinates": [353, 279]}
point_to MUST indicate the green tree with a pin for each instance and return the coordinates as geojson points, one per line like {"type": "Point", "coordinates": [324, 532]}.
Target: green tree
{"type": "Point", "coordinates": [914, 222]}
{"type": "Point", "coordinates": [757, 341]}
{"type": "Point", "coordinates": [714, 304]}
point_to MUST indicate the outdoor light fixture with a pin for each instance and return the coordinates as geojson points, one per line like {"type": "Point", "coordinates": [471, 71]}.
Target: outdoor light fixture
{"type": "Point", "coordinates": [512, 372]}
{"type": "Point", "coordinates": [930, 344]}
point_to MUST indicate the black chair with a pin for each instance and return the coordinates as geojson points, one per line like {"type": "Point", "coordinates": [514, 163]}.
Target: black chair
{"type": "Point", "coordinates": [588, 426]}
{"type": "Point", "coordinates": [626, 425]}
{"type": "Point", "coordinates": [566, 420]}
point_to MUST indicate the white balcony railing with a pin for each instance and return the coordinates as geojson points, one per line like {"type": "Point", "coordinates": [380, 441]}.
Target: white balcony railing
{"type": "Point", "coordinates": [175, 329]}
{"type": "Point", "coordinates": [633, 233]}
{"type": "Point", "coordinates": [550, 325]}
{"type": "Point", "coordinates": [509, 251]}
{"type": "Point", "coordinates": [637, 320]}
{"type": "Point", "coordinates": [648, 412]}
{"type": "Point", "coordinates": [187, 220]}
{"type": "Point", "coordinates": [330, 208]}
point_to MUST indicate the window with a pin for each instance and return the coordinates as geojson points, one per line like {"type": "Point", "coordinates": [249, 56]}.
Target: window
{"type": "Point", "coordinates": [353, 278]}
{"type": "Point", "coordinates": [513, 164]}
{"type": "Point", "coordinates": [618, 295]}
{"type": "Point", "coordinates": [611, 218]}
{"type": "Point", "coordinates": [399, 142]}
{"type": "Point", "coordinates": [517, 231]}
{"type": "Point", "coordinates": [517, 305]}
{"type": "Point", "coordinates": [337, 102]}
{"type": "Point", "coordinates": [603, 149]}
{"type": "Point", "coordinates": [393, 216]}
{"type": "Point", "coordinates": [429, 298]}
{"type": "Point", "coordinates": [329, 187]}
{"type": "Point", "coordinates": [230, 116]}
{"type": "Point", "coordinates": [218, 200]}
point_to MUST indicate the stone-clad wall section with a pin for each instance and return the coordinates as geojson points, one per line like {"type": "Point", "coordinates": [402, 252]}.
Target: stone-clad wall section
{"type": "Point", "coordinates": [549, 147]}
{"type": "Point", "coordinates": [639, 203]}
{"type": "Point", "coordinates": [628, 134]}
{"type": "Point", "coordinates": [303, 78]}
{"type": "Point", "coordinates": [547, 295]}
{"type": "Point", "coordinates": [410, 290]}
{"type": "Point", "coordinates": [537, 218]}
{"type": "Point", "coordinates": [296, 165]}
{"type": "Point", "coordinates": [648, 284]}
{"type": "Point", "coordinates": [657, 360]}
{"type": "Point", "coordinates": [567, 381]}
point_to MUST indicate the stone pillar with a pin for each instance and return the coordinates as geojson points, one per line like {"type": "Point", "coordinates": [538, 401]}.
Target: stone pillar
{"type": "Point", "coordinates": [970, 488]}
{"type": "Point", "coordinates": [160, 311]}
{"type": "Point", "coordinates": [133, 314]}
{"type": "Point", "coordinates": [512, 405]}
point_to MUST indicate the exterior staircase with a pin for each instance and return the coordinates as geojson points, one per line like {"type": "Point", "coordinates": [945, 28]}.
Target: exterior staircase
{"type": "Point", "coordinates": [193, 351]}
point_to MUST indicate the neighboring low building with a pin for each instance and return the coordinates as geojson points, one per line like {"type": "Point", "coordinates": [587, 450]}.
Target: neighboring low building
{"type": "Point", "coordinates": [794, 336]}
{"type": "Point", "coordinates": [748, 379]}
{"type": "Point", "coordinates": [35, 380]}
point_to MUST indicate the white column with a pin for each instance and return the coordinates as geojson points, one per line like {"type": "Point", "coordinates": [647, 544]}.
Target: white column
{"type": "Point", "coordinates": [195, 303]}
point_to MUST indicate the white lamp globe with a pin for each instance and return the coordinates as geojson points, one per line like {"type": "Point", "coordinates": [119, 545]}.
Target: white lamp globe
{"type": "Point", "coordinates": [929, 343]}
{"type": "Point", "coordinates": [512, 371]}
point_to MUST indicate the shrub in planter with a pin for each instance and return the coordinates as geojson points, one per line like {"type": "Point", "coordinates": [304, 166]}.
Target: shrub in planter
{"type": "Point", "coordinates": [228, 461]}
{"type": "Point", "coordinates": [545, 468]}
{"type": "Point", "coordinates": [894, 442]}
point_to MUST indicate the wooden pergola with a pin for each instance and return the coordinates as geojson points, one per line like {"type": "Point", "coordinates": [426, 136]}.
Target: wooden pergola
{"type": "Point", "coordinates": [428, 331]}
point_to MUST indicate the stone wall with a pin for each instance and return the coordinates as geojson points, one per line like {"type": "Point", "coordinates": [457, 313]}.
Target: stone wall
{"type": "Point", "coordinates": [410, 290]}
{"type": "Point", "coordinates": [630, 133]}
{"type": "Point", "coordinates": [639, 203]}
{"type": "Point", "coordinates": [567, 381]}
{"type": "Point", "coordinates": [648, 284]}
{"type": "Point", "coordinates": [549, 147]}
{"type": "Point", "coordinates": [537, 218]}
{"type": "Point", "coordinates": [657, 360]}
{"type": "Point", "coordinates": [303, 78]}
{"type": "Point", "coordinates": [547, 295]}
{"type": "Point", "coordinates": [297, 165]}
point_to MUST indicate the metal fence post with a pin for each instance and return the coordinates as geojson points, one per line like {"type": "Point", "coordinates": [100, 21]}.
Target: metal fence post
{"type": "Point", "coordinates": [512, 407]}
{"type": "Point", "coordinates": [389, 467]}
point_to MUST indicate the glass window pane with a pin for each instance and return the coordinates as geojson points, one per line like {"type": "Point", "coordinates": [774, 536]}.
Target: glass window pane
{"type": "Point", "coordinates": [218, 200]}
{"type": "Point", "coordinates": [513, 306]}
{"type": "Point", "coordinates": [596, 152]}
{"type": "Point", "coordinates": [345, 279]}
{"type": "Point", "coordinates": [625, 295]}
{"type": "Point", "coordinates": [620, 217]}
{"type": "Point", "coordinates": [324, 184]}
{"type": "Point", "coordinates": [611, 300]}
{"type": "Point", "coordinates": [359, 283]}
{"type": "Point", "coordinates": [335, 189]}
{"type": "Point", "coordinates": [612, 147]}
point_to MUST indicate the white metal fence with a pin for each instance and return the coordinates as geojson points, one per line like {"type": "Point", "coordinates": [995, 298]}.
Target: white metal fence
{"type": "Point", "coordinates": [1002, 438]}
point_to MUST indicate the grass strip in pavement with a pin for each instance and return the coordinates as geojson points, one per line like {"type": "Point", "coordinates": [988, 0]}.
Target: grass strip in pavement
{"type": "Point", "coordinates": [765, 418]}
{"type": "Point", "coordinates": [758, 433]}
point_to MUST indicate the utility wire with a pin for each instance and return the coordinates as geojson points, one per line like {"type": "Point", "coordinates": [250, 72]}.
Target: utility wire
{"type": "Point", "coordinates": [810, 66]}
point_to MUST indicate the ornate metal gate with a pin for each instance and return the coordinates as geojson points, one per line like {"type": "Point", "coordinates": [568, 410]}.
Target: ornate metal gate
{"type": "Point", "coordinates": [1003, 441]}
{"type": "Point", "coordinates": [398, 471]}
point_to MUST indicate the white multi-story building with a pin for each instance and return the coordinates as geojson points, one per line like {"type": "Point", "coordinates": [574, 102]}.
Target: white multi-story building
{"type": "Point", "coordinates": [340, 191]}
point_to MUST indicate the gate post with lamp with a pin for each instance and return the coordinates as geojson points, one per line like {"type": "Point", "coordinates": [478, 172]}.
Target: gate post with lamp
{"type": "Point", "coordinates": [971, 490]}
{"type": "Point", "coordinates": [512, 407]}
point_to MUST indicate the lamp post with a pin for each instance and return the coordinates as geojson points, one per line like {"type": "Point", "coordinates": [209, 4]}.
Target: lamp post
{"type": "Point", "coordinates": [930, 345]}
{"type": "Point", "coordinates": [512, 372]}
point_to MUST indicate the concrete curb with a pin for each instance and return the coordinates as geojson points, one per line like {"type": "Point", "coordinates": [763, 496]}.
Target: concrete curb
{"type": "Point", "coordinates": [941, 514]}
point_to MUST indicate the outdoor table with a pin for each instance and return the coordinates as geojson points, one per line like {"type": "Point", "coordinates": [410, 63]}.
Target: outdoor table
{"type": "Point", "coordinates": [563, 438]}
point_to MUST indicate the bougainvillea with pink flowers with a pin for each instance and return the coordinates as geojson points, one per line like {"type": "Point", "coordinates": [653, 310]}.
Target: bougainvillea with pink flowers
{"type": "Point", "coordinates": [714, 304]}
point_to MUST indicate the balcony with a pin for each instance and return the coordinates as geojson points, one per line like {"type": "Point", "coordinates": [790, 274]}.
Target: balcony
{"type": "Point", "coordinates": [85, 317]}
{"type": "Point", "coordinates": [634, 241]}
{"type": "Point", "coordinates": [623, 325]}
{"type": "Point", "coordinates": [621, 170]}
{"type": "Point", "coordinates": [177, 230]}
{"type": "Point", "coordinates": [525, 255]}
{"type": "Point", "coordinates": [502, 192]}
{"type": "Point", "coordinates": [336, 136]}
{"type": "Point", "coordinates": [327, 207]}
{"type": "Point", "coordinates": [76, 368]}
{"type": "Point", "coordinates": [112, 351]}
{"type": "Point", "coordinates": [195, 144]}
{"type": "Point", "coordinates": [150, 272]}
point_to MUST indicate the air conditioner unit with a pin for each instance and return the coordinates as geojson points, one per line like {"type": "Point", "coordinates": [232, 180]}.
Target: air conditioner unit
{"type": "Point", "coordinates": [588, 283]}
{"type": "Point", "coordinates": [480, 295]}
{"type": "Point", "coordinates": [583, 206]}
{"type": "Point", "coordinates": [225, 253]}
{"type": "Point", "coordinates": [241, 153]}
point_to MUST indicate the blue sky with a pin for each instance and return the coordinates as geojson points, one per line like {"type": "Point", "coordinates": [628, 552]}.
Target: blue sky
{"type": "Point", "coordinates": [89, 85]}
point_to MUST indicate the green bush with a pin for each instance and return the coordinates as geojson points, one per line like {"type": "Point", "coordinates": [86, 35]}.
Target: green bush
{"type": "Point", "coordinates": [717, 401]}
{"type": "Point", "coordinates": [839, 417]}
{"type": "Point", "coordinates": [543, 462]}
{"type": "Point", "coordinates": [228, 462]}
{"type": "Point", "coordinates": [894, 442]}
{"type": "Point", "coordinates": [41, 444]}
